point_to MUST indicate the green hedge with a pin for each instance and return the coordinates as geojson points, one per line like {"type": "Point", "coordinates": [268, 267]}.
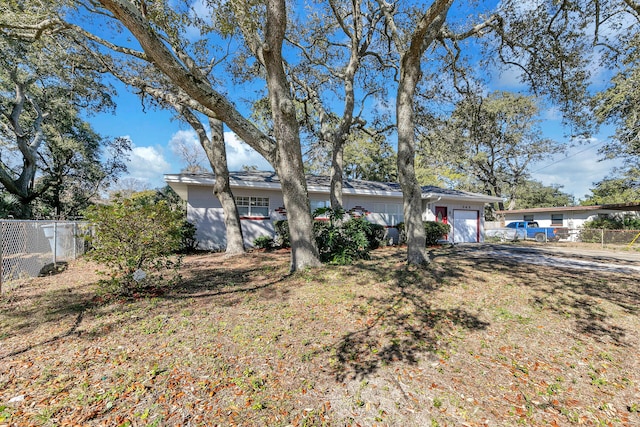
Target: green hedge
{"type": "Point", "coordinates": [283, 237]}
{"type": "Point", "coordinates": [434, 232]}
{"type": "Point", "coordinates": [338, 241]}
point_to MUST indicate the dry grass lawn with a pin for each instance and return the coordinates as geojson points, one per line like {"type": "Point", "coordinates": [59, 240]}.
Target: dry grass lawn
{"type": "Point", "coordinates": [241, 342]}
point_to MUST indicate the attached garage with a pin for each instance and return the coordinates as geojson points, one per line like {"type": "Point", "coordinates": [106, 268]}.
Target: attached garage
{"type": "Point", "coordinates": [466, 226]}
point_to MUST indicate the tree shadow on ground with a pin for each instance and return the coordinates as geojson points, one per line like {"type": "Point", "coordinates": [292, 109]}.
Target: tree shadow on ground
{"type": "Point", "coordinates": [26, 310]}
{"type": "Point", "coordinates": [260, 272]}
{"type": "Point", "coordinates": [402, 325]}
{"type": "Point", "coordinates": [583, 296]}
{"type": "Point", "coordinates": [23, 314]}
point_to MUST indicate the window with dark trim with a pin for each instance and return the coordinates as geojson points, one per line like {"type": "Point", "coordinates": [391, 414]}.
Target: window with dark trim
{"type": "Point", "coordinates": [250, 206]}
{"type": "Point", "coordinates": [528, 218]}
{"type": "Point", "coordinates": [556, 219]}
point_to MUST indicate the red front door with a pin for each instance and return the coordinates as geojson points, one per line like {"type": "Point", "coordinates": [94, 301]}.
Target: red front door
{"type": "Point", "coordinates": [441, 216]}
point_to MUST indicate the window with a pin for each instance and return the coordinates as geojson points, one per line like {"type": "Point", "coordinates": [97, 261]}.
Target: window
{"type": "Point", "coordinates": [317, 204]}
{"type": "Point", "coordinates": [556, 219]}
{"type": "Point", "coordinates": [528, 218]}
{"type": "Point", "coordinates": [253, 206]}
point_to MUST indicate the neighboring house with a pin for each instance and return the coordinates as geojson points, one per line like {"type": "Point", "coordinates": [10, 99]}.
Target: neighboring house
{"type": "Point", "coordinates": [259, 201]}
{"type": "Point", "coordinates": [572, 217]}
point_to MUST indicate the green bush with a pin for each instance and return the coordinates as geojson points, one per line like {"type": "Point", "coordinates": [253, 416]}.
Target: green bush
{"type": "Point", "coordinates": [9, 205]}
{"type": "Point", "coordinates": [135, 237]}
{"type": "Point", "coordinates": [607, 223]}
{"type": "Point", "coordinates": [592, 231]}
{"type": "Point", "coordinates": [263, 242]}
{"type": "Point", "coordinates": [283, 237]}
{"type": "Point", "coordinates": [188, 237]}
{"type": "Point", "coordinates": [434, 231]}
{"type": "Point", "coordinates": [614, 222]}
{"type": "Point", "coordinates": [590, 235]}
{"type": "Point", "coordinates": [339, 241]}
{"type": "Point", "coordinates": [376, 236]}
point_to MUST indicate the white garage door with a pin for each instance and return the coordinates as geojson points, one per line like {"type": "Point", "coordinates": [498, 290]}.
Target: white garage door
{"type": "Point", "coordinates": [465, 226]}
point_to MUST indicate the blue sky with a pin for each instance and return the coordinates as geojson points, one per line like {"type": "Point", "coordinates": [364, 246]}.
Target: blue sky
{"type": "Point", "coordinates": [580, 166]}
{"type": "Point", "coordinates": [152, 132]}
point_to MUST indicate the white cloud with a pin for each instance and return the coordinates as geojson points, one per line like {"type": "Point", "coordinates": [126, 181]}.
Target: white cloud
{"type": "Point", "coordinates": [577, 171]}
{"type": "Point", "coordinates": [552, 113]}
{"type": "Point", "coordinates": [523, 6]}
{"type": "Point", "coordinates": [198, 9]}
{"type": "Point", "coordinates": [148, 165]}
{"type": "Point", "coordinates": [384, 105]}
{"type": "Point", "coordinates": [201, 8]}
{"type": "Point", "coordinates": [185, 145]}
{"type": "Point", "coordinates": [184, 137]}
{"type": "Point", "coordinates": [508, 78]}
{"type": "Point", "coordinates": [240, 154]}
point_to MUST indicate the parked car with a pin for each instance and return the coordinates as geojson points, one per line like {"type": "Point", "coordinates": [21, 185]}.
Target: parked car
{"type": "Point", "coordinates": [522, 230]}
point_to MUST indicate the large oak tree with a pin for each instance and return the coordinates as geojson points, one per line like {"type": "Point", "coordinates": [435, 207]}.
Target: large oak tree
{"type": "Point", "coordinates": [164, 43]}
{"type": "Point", "coordinates": [493, 140]}
{"type": "Point", "coordinates": [49, 151]}
{"type": "Point", "coordinates": [550, 43]}
{"type": "Point", "coordinates": [554, 46]}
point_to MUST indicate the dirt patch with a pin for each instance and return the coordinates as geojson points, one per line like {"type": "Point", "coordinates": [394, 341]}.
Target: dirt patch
{"type": "Point", "coordinates": [242, 342]}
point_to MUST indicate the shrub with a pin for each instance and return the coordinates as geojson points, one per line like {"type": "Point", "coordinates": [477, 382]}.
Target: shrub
{"type": "Point", "coordinates": [614, 222]}
{"type": "Point", "coordinates": [339, 241]}
{"type": "Point", "coordinates": [263, 242]}
{"type": "Point", "coordinates": [434, 231]}
{"type": "Point", "coordinates": [283, 238]}
{"type": "Point", "coordinates": [376, 236]}
{"type": "Point", "coordinates": [9, 205]}
{"type": "Point", "coordinates": [590, 235]}
{"type": "Point", "coordinates": [188, 237]}
{"type": "Point", "coordinates": [135, 238]}
{"type": "Point", "coordinates": [608, 223]}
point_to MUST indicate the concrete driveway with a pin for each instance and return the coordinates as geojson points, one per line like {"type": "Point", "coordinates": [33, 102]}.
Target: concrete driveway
{"type": "Point", "coordinates": [555, 256]}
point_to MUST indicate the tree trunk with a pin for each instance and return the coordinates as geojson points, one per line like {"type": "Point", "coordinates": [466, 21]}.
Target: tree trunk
{"type": "Point", "coordinates": [337, 174]}
{"type": "Point", "coordinates": [411, 191]}
{"type": "Point", "coordinates": [425, 34]}
{"type": "Point", "coordinates": [28, 142]}
{"type": "Point", "coordinates": [497, 192]}
{"type": "Point", "coordinates": [217, 155]}
{"type": "Point", "coordinates": [288, 164]}
{"type": "Point", "coordinates": [285, 154]}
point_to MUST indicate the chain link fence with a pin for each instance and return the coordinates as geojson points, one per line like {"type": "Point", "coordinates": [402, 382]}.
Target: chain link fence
{"type": "Point", "coordinates": [31, 248]}
{"type": "Point", "coordinates": [587, 236]}
{"type": "Point", "coordinates": [608, 237]}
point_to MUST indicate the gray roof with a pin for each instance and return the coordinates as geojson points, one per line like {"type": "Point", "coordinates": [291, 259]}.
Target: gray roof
{"type": "Point", "coordinates": [322, 183]}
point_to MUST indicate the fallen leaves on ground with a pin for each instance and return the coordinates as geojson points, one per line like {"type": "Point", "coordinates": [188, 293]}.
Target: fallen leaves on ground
{"type": "Point", "coordinates": [242, 342]}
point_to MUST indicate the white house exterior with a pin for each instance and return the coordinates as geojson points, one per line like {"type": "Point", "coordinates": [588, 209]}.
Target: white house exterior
{"type": "Point", "coordinates": [568, 216]}
{"type": "Point", "coordinates": [572, 217]}
{"type": "Point", "coordinates": [260, 203]}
